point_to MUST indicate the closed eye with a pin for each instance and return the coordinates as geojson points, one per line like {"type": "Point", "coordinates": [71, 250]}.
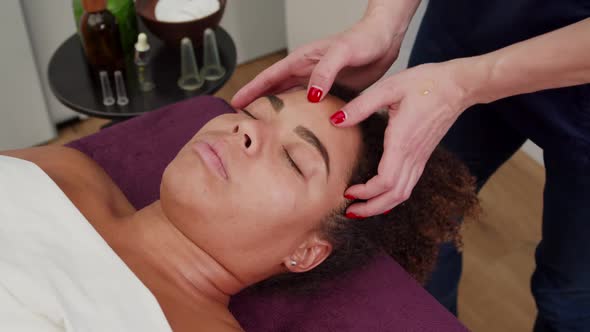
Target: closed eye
{"type": "Point", "coordinates": [287, 155]}
{"type": "Point", "coordinates": [249, 114]}
{"type": "Point", "coordinates": [292, 162]}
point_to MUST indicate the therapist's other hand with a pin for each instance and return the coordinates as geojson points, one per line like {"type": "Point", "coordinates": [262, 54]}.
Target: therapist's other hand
{"type": "Point", "coordinates": [423, 102]}
{"type": "Point", "coordinates": [355, 59]}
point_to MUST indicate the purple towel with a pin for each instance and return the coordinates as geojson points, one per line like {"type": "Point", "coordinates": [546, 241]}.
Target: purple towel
{"type": "Point", "coordinates": [379, 297]}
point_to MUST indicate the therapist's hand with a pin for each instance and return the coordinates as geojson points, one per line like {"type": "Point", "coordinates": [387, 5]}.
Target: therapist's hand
{"type": "Point", "coordinates": [423, 102]}
{"type": "Point", "coordinates": [355, 59]}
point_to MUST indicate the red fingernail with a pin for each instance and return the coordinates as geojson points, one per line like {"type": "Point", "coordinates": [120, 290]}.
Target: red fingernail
{"type": "Point", "coordinates": [386, 212]}
{"type": "Point", "coordinates": [347, 196]}
{"type": "Point", "coordinates": [338, 117]}
{"type": "Point", "coordinates": [351, 215]}
{"type": "Point", "coordinates": [314, 94]}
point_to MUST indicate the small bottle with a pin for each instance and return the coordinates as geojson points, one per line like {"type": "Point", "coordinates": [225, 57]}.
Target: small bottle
{"type": "Point", "coordinates": [142, 61]}
{"type": "Point", "coordinates": [100, 37]}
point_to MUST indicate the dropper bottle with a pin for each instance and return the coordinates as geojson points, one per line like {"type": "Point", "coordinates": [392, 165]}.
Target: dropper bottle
{"type": "Point", "coordinates": [142, 61]}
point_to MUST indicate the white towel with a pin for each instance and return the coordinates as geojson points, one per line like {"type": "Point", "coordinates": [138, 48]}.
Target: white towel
{"type": "Point", "coordinates": [56, 272]}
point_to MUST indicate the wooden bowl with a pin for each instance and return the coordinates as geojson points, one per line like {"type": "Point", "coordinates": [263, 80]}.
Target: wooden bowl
{"type": "Point", "coordinates": [172, 33]}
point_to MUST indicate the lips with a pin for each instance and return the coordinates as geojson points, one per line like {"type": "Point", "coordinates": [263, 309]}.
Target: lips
{"type": "Point", "coordinates": [210, 156]}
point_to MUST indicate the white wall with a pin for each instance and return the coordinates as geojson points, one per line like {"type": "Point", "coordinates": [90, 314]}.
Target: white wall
{"type": "Point", "coordinates": [257, 27]}
{"type": "Point", "coordinates": [329, 17]}
{"type": "Point", "coordinates": [49, 24]}
{"type": "Point", "coordinates": [24, 120]}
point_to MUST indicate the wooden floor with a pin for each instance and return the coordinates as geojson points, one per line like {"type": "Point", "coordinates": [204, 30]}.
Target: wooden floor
{"type": "Point", "coordinates": [494, 292]}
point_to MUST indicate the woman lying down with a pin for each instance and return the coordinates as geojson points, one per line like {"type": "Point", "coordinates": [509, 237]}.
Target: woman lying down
{"type": "Point", "coordinates": [255, 197]}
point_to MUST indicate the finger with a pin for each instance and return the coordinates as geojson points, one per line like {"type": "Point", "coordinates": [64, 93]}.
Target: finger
{"type": "Point", "coordinates": [325, 72]}
{"type": "Point", "coordinates": [370, 101]}
{"type": "Point", "coordinates": [298, 61]}
{"type": "Point", "coordinates": [262, 83]}
{"type": "Point", "coordinates": [386, 181]}
{"type": "Point", "coordinates": [286, 86]}
{"type": "Point", "coordinates": [390, 166]}
{"type": "Point", "coordinates": [376, 186]}
{"type": "Point", "coordinates": [378, 205]}
{"type": "Point", "coordinates": [390, 199]}
{"type": "Point", "coordinates": [386, 201]}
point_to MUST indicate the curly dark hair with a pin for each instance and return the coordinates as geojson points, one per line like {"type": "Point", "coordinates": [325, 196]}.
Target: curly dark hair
{"type": "Point", "coordinates": [411, 233]}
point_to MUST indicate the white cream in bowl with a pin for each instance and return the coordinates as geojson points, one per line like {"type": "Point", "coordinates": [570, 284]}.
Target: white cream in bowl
{"type": "Point", "coordinates": [184, 10]}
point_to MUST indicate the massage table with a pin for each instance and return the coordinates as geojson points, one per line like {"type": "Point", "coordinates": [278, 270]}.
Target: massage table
{"type": "Point", "coordinates": [378, 297]}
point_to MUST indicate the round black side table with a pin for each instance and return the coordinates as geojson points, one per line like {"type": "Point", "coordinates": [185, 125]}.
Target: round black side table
{"type": "Point", "coordinates": [74, 84]}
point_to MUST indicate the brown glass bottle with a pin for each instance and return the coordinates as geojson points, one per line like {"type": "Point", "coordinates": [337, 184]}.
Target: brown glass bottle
{"type": "Point", "coordinates": [100, 37]}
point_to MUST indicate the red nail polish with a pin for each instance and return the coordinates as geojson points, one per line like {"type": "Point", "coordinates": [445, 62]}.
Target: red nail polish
{"type": "Point", "coordinates": [314, 94]}
{"type": "Point", "coordinates": [347, 196]}
{"type": "Point", "coordinates": [351, 215]}
{"type": "Point", "coordinates": [338, 117]}
{"type": "Point", "coordinates": [386, 212]}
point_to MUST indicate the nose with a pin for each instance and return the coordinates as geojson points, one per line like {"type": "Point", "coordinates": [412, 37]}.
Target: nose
{"type": "Point", "coordinates": [250, 136]}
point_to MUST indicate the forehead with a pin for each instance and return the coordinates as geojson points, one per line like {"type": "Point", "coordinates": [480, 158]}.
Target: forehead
{"type": "Point", "coordinates": [341, 143]}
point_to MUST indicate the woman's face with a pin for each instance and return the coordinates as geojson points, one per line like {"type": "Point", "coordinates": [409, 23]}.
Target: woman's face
{"type": "Point", "coordinates": [251, 188]}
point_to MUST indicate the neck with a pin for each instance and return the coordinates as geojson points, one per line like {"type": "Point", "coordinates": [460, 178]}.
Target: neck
{"type": "Point", "coordinates": [158, 245]}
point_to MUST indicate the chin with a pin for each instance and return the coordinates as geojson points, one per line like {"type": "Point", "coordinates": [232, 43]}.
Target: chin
{"type": "Point", "coordinates": [188, 188]}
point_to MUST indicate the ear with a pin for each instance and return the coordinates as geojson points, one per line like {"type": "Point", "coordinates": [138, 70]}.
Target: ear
{"type": "Point", "coordinates": [311, 253]}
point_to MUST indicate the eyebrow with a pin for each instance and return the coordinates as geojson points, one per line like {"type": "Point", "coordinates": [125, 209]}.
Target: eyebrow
{"type": "Point", "coordinates": [308, 136]}
{"type": "Point", "coordinates": [276, 102]}
{"type": "Point", "coordinates": [303, 132]}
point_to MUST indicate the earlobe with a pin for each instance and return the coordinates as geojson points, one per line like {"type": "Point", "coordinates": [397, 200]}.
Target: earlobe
{"type": "Point", "coordinates": [310, 254]}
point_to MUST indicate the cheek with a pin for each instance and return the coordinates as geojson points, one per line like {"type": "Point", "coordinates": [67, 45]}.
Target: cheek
{"type": "Point", "coordinates": [263, 209]}
{"type": "Point", "coordinates": [175, 193]}
{"type": "Point", "coordinates": [274, 195]}
{"type": "Point", "coordinates": [275, 213]}
{"type": "Point", "coordinates": [262, 199]}
{"type": "Point", "coordinates": [259, 211]}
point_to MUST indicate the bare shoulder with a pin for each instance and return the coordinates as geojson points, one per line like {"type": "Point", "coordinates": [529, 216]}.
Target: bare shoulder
{"type": "Point", "coordinates": [64, 165]}
{"type": "Point", "coordinates": [77, 175]}
{"type": "Point", "coordinates": [52, 158]}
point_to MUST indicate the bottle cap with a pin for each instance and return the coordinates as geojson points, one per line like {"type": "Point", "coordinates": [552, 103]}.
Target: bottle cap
{"type": "Point", "coordinates": [142, 43]}
{"type": "Point", "coordinates": [91, 6]}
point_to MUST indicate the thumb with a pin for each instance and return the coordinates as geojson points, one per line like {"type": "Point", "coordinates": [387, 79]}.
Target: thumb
{"type": "Point", "coordinates": [361, 107]}
{"type": "Point", "coordinates": [325, 72]}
